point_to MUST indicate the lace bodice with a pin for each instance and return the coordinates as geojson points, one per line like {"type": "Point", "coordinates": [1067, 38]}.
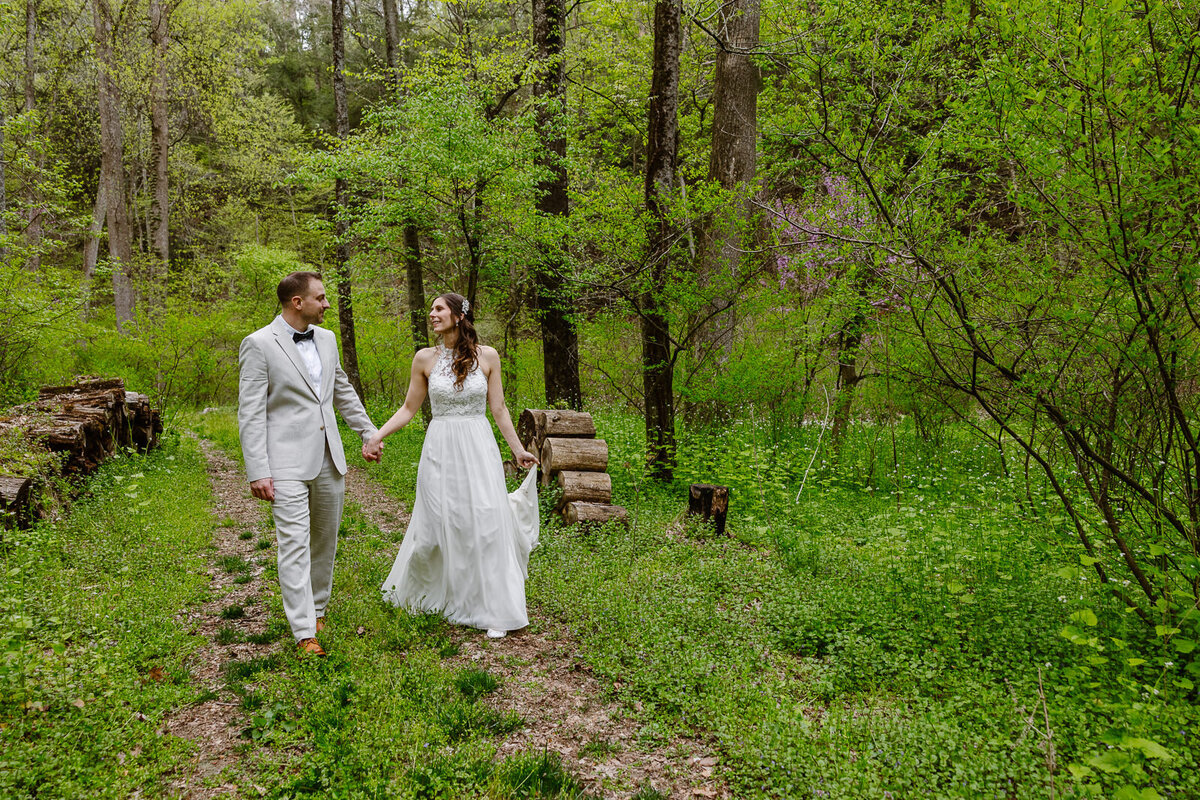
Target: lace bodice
{"type": "Point", "coordinates": [445, 399]}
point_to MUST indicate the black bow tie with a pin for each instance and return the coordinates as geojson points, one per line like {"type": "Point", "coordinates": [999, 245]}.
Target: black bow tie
{"type": "Point", "coordinates": [303, 337]}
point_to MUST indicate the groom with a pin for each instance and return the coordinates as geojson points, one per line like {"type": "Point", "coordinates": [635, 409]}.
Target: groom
{"type": "Point", "coordinates": [290, 382]}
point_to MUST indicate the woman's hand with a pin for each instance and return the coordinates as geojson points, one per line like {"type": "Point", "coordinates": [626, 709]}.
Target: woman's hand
{"type": "Point", "coordinates": [526, 459]}
{"type": "Point", "coordinates": [372, 449]}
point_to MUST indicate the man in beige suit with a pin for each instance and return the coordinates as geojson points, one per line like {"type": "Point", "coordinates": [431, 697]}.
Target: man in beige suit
{"type": "Point", "coordinates": [290, 382]}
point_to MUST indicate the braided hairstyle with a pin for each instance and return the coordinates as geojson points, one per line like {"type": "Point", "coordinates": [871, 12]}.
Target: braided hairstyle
{"type": "Point", "coordinates": [468, 340]}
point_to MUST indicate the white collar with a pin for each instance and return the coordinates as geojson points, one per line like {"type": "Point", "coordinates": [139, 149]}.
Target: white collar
{"type": "Point", "coordinates": [293, 330]}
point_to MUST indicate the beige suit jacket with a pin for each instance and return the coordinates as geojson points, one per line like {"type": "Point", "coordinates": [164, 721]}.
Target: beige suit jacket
{"type": "Point", "coordinates": [284, 422]}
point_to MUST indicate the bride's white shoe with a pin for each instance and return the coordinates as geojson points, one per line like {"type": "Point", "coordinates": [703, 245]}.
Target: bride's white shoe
{"type": "Point", "coordinates": [495, 634]}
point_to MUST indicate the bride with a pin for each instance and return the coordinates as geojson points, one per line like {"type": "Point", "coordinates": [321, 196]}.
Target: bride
{"type": "Point", "coordinates": [466, 551]}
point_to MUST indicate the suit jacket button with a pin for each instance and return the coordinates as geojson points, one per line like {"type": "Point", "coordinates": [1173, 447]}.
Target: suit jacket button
{"type": "Point", "coordinates": [322, 427]}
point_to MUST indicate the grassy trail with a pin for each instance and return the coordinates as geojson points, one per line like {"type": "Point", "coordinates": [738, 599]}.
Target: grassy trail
{"type": "Point", "coordinates": [526, 706]}
{"type": "Point", "coordinates": [862, 643]}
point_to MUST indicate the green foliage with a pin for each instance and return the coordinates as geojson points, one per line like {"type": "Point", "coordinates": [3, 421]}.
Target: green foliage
{"type": "Point", "coordinates": [87, 607]}
{"type": "Point", "coordinates": [889, 637]}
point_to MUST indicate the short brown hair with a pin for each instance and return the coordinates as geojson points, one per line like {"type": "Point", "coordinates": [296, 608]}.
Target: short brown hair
{"type": "Point", "coordinates": [295, 285]}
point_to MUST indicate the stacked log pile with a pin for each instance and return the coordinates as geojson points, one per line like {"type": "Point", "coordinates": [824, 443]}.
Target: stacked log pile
{"type": "Point", "coordinates": [574, 460]}
{"type": "Point", "coordinates": [87, 422]}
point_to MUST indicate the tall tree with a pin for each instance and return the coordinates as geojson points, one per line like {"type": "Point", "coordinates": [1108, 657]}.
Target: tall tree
{"type": "Point", "coordinates": [661, 155]}
{"type": "Point", "coordinates": [33, 227]}
{"type": "Point", "coordinates": [560, 341]}
{"type": "Point", "coordinates": [341, 199]}
{"type": "Point", "coordinates": [733, 156]}
{"type": "Point", "coordinates": [413, 267]}
{"type": "Point", "coordinates": [112, 209]}
{"type": "Point", "coordinates": [160, 204]}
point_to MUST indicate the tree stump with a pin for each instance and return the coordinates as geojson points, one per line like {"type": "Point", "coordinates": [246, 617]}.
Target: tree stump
{"type": "Point", "coordinates": [710, 502]}
{"type": "Point", "coordinates": [580, 513]}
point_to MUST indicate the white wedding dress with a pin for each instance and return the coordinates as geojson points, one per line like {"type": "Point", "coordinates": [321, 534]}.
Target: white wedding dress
{"type": "Point", "coordinates": [466, 551]}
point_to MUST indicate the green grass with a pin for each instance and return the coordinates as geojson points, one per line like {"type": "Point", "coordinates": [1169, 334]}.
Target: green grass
{"type": "Point", "coordinates": [87, 609]}
{"type": "Point", "coordinates": [895, 631]}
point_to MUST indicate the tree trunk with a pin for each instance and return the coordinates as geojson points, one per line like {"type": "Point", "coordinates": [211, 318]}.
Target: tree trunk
{"type": "Point", "coordinates": [417, 317]}
{"type": "Point", "coordinates": [3, 193]}
{"type": "Point", "coordinates": [391, 39]}
{"type": "Point", "coordinates": [160, 207]}
{"type": "Point", "coordinates": [560, 341]}
{"type": "Point", "coordinates": [112, 165]}
{"type": "Point", "coordinates": [33, 226]}
{"type": "Point", "coordinates": [661, 149]}
{"type": "Point", "coordinates": [732, 159]}
{"type": "Point", "coordinates": [849, 341]}
{"type": "Point", "coordinates": [341, 199]}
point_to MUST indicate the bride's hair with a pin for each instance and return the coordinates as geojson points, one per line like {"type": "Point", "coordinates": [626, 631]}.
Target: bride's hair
{"type": "Point", "coordinates": [468, 340]}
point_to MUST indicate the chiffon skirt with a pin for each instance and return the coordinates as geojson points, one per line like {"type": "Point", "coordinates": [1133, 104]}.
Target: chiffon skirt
{"type": "Point", "coordinates": [466, 551]}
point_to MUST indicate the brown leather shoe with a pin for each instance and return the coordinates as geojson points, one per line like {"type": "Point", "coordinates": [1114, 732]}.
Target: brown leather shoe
{"type": "Point", "coordinates": [310, 647]}
{"type": "Point", "coordinates": [320, 624]}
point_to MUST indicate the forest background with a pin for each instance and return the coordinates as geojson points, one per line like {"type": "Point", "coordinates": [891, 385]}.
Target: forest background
{"type": "Point", "coordinates": [874, 250]}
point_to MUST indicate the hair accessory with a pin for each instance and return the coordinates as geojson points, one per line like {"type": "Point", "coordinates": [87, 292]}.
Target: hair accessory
{"type": "Point", "coordinates": [466, 305]}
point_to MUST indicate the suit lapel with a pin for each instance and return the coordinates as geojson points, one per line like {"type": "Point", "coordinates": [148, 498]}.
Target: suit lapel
{"type": "Point", "coordinates": [284, 337]}
{"type": "Point", "coordinates": [327, 350]}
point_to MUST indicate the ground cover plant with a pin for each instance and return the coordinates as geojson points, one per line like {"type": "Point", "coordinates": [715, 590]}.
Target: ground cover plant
{"type": "Point", "coordinates": [386, 714]}
{"type": "Point", "coordinates": [918, 623]}
{"type": "Point", "coordinates": [92, 654]}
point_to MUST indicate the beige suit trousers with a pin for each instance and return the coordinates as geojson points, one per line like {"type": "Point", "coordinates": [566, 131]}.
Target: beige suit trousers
{"type": "Point", "coordinates": [307, 516]}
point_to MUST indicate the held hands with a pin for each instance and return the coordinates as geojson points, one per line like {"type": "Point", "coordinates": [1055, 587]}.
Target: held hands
{"type": "Point", "coordinates": [372, 449]}
{"type": "Point", "coordinates": [526, 459]}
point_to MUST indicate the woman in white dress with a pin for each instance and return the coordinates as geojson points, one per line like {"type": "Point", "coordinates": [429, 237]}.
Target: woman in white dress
{"type": "Point", "coordinates": [466, 551]}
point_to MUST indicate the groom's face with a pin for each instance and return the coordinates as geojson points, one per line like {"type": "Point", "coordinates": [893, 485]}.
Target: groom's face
{"type": "Point", "coordinates": [313, 303]}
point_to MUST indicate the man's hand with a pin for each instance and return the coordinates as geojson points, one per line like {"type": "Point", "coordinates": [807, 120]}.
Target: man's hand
{"type": "Point", "coordinates": [372, 449]}
{"type": "Point", "coordinates": [263, 489]}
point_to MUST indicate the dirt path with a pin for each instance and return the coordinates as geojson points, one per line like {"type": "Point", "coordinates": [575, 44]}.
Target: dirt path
{"type": "Point", "coordinates": [215, 724]}
{"type": "Point", "coordinates": [543, 680]}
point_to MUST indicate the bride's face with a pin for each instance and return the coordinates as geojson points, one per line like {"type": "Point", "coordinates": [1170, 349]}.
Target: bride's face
{"type": "Point", "coordinates": [441, 318]}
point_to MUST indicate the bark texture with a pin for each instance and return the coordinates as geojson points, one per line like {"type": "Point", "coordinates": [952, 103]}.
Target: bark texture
{"type": "Point", "coordinates": [661, 149]}
{"type": "Point", "coordinates": [560, 341]}
{"type": "Point", "coordinates": [341, 200]}
{"type": "Point", "coordinates": [33, 224]}
{"type": "Point", "coordinates": [112, 207]}
{"type": "Point", "coordinates": [160, 204]}
{"type": "Point", "coordinates": [732, 158]}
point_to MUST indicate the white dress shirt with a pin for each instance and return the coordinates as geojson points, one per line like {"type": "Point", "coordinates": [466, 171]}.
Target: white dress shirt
{"type": "Point", "coordinates": [308, 352]}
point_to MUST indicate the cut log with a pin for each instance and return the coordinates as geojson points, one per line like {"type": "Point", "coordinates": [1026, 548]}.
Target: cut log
{"type": "Point", "coordinates": [535, 425]}
{"type": "Point", "coordinates": [590, 487]}
{"type": "Point", "coordinates": [710, 502]}
{"type": "Point", "coordinates": [583, 455]}
{"type": "Point", "coordinates": [16, 501]}
{"type": "Point", "coordinates": [145, 422]}
{"type": "Point", "coordinates": [528, 424]}
{"type": "Point", "coordinates": [82, 386]}
{"type": "Point", "coordinates": [569, 424]}
{"type": "Point", "coordinates": [579, 513]}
